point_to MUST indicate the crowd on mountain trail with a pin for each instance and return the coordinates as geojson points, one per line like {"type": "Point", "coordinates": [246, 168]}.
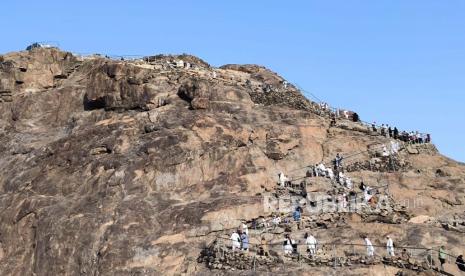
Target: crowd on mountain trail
{"type": "Point", "coordinates": [413, 137]}
{"type": "Point", "coordinates": [240, 242]}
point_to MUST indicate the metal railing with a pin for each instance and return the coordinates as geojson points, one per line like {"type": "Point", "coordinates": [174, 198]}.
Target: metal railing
{"type": "Point", "coordinates": [339, 253]}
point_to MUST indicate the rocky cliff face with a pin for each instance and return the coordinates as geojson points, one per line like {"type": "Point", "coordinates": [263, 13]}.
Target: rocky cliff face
{"type": "Point", "coordinates": [132, 167]}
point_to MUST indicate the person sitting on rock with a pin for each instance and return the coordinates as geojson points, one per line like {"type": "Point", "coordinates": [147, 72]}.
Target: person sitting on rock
{"type": "Point", "coordinates": [390, 247]}
{"type": "Point", "coordinates": [235, 241]}
{"type": "Point", "coordinates": [405, 256]}
{"type": "Point", "coordinates": [370, 248]}
{"type": "Point", "coordinates": [355, 117]}
{"type": "Point", "coordinates": [311, 242]}
{"type": "Point", "coordinates": [245, 242]}
{"type": "Point", "coordinates": [373, 127]}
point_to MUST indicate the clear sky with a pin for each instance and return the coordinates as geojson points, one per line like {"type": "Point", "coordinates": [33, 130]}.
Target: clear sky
{"type": "Point", "coordinates": [393, 61]}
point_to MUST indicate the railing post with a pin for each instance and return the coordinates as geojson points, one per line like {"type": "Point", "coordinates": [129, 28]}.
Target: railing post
{"type": "Point", "coordinates": [255, 254]}
{"type": "Point", "coordinates": [334, 256]}
{"type": "Point", "coordinates": [431, 258]}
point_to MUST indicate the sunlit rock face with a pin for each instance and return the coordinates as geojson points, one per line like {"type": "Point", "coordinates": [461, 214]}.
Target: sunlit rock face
{"type": "Point", "coordinates": [113, 167]}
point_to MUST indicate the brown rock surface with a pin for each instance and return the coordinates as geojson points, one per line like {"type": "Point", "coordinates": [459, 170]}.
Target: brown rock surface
{"type": "Point", "coordinates": [129, 167]}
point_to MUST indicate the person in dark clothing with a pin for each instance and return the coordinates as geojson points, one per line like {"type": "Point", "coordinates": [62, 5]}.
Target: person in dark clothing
{"type": "Point", "coordinates": [333, 120]}
{"type": "Point", "coordinates": [460, 263]}
{"type": "Point", "coordinates": [362, 186]}
{"type": "Point", "coordinates": [396, 133]}
{"type": "Point", "coordinates": [390, 132]}
{"type": "Point", "coordinates": [303, 187]}
{"type": "Point", "coordinates": [355, 117]}
{"type": "Point", "coordinates": [338, 161]}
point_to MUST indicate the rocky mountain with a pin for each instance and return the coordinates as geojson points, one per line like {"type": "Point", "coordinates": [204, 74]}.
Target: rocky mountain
{"type": "Point", "coordinates": [145, 167]}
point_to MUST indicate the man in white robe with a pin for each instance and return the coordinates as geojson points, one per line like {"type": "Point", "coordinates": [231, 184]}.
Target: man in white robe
{"type": "Point", "coordinates": [370, 248]}
{"type": "Point", "coordinates": [311, 243]}
{"type": "Point", "coordinates": [390, 247]}
{"type": "Point", "coordinates": [235, 241]}
{"type": "Point", "coordinates": [282, 179]}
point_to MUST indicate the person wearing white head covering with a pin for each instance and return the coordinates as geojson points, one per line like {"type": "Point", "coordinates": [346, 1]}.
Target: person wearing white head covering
{"type": "Point", "coordinates": [370, 248]}
{"type": "Point", "coordinates": [390, 247]}
{"type": "Point", "coordinates": [235, 241]}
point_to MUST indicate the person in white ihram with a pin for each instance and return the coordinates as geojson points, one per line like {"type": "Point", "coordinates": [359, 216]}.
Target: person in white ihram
{"type": "Point", "coordinates": [276, 220]}
{"type": "Point", "coordinates": [390, 247]}
{"type": "Point", "coordinates": [311, 243]}
{"type": "Point", "coordinates": [330, 173]}
{"type": "Point", "coordinates": [370, 248]}
{"type": "Point", "coordinates": [245, 229]}
{"type": "Point", "coordinates": [349, 184]}
{"type": "Point", "coordinates": [394, 147]}
{"type": "Point", "coordinates": [321, 169]}
{"type": "Point", "coordinates": [235, 241]}
{"type": "Point", "coordinates": [282, 179]}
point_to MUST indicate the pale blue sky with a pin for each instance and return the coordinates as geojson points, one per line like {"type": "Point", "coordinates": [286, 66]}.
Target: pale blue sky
{"type": "Point", "coordinates": [394, 61]}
